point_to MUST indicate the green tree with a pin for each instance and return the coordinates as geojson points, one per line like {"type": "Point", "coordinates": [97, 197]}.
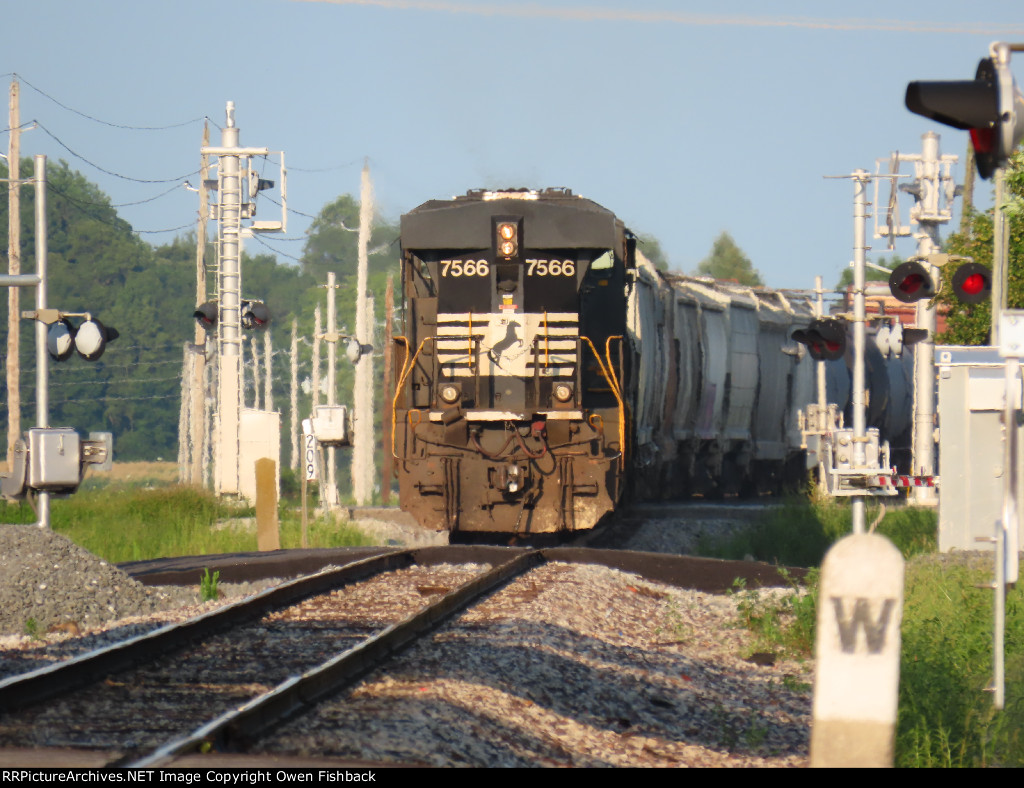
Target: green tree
{"type": "Point", "coordinates": [968, 324]}
{"type": "Point", "coordinates": [332, 244]}
{"type": "Point", "coordinates": [97, 265]}
{"type": "Point", "coordinates": [727, 261]}
{"type": "Point", "coordinates": [870, 274]}
{"type": "Point", "coordinates": [651, 248]}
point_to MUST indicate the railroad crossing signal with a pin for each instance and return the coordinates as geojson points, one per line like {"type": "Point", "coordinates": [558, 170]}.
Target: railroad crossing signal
{"type": "Point", "coordinates": [990, 107]}
{"type": "Point", "coordinates": [60, 340]}
{"type": "Point", "coordinates": [89, 338]}
{"type": "Point", "coordinates": [206, 315]}
{"type": "Point", "coordinates": [910, 282]}
{"type": "Point", "coordinates": [825, 339]}
{"type": "Point", "coordinates": [92, 338]}
{"type": "Point", "coordinates": [254, 315]}
{"type": "Point", "coordinates": [972, 283]}
{"type": "Point", "coordinates": [892, 339]}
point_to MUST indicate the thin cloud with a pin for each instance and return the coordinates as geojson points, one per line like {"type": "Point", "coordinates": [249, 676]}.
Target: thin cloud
{"type": "Point", "coordinates": [528, 11]}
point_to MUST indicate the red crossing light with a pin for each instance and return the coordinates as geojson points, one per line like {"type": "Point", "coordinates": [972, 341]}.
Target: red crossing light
{"type": "Point", "coordinates": [972, 283]}
{"type": "Point", "coordinates": [910, 282]}
{"type": "Point", "coordinates": [825, 339]}
{"type": "Point", "coordinates": [990, 107]}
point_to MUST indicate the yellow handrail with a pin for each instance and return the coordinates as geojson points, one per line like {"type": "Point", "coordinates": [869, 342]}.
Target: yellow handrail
{"type": "Point", "coordinates": [613, 382]}
{"type": "Point", "coordinates": [407, 366]}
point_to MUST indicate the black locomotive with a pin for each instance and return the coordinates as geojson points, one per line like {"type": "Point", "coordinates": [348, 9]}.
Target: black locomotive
{"type": "Point", "coordinates": [546, 365]}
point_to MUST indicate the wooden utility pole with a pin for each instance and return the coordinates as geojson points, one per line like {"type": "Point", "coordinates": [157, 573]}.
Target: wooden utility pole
{"type": "Point", "coordinates": [268, 370]}
{"type": "Point", "coordinates": [968, 191]}
{"type": "Point", "coordinates": [294, 400]}
{"type": "Point", "coordinates": [13, 267]}
{"type": "Point", "coordinates": [362, 400]}
{"type": "Point", "coordinates": [197, 423]}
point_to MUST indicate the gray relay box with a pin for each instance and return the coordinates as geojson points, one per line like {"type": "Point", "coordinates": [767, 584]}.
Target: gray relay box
{"type": "Point", "coordinates": [972, 393]}
{"type": "Point", "coordinates": [54, 458]}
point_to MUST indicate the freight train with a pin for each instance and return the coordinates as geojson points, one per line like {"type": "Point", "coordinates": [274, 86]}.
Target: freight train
{"type": "Point", "coordinates": [547, 369]}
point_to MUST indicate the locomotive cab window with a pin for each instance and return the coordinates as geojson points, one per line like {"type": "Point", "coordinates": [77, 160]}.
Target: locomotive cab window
{"type": "Point", "coordinates": [603, 263]}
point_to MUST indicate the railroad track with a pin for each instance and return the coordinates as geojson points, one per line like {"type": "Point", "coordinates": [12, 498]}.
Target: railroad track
{"type": "Point", "coordinates": [226, 681]}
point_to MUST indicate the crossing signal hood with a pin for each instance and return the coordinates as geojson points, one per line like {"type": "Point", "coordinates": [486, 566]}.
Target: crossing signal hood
{"type": "Point", "coordinates": [256, 184]}
{"type": "Point", "coordinates": [255, 315]}
{"type": "Point", "coordinates": [972, 283]}
{"type": "Point", "coordinates": [990, 107]}
{"type": "Point", "coordinates": [910, 282]}
{"type": "Point", "coordinates": [60, 339]}
{"type": "Point", "coordinates": [825, 339]}
{"type": "Point", "coordinates": [92, 338]}
{"type": "Point", "coordinates": [89, 338]}
{"type": "Point", "coordinates": [891, 340]}
{"type": "Point", "coordinates": [206, 315]}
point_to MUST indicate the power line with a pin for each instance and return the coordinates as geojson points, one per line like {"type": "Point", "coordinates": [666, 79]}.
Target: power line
{"type": "Point", "coordinates": [79, 204]}
{"type": "Point", "coordinates": [104, 122]}
{"type": "Point", "coordinates": [164, 193]}
{"type": "Point", "coordinates": [292, 210]}
{"type": "Point", "coordinates": [179, 228]}
{"type": "Point", "coordinates": [77, 155]}
{"type": "Point", "coordinates": [109, 382]}
{"type": "Point", "coordinates": [86, 203]}
{"type": "Point", "coordinates": [276, 251]}
{"type": "Point", "coordinates": [115, 399]}
{"type": "Point", "coordinates": [593, 14]}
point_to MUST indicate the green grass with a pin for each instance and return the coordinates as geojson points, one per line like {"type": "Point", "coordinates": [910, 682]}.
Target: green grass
{"type": "Point", "coordinates": [208, 590]}
{"type": "Point", "coordinates": [783, 625]}
{"type": "Point", "coordinates": [120, 522]}
{"type": "Point", "coordinates": [945, 718]}
{"type": "Point", "coordinates": [798, 533]}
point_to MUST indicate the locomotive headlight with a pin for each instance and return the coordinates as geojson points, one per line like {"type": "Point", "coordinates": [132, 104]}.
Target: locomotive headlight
{"type": "Point", "coordinates": [506, 237]}
{"type": "Point", "coordinates": [450, 393]}
{"type": "Point", "coordinates": [563, 392]}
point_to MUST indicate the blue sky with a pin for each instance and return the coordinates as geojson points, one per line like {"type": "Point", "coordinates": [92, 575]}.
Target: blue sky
{"type": "Point", "coordinates": [683, 122]}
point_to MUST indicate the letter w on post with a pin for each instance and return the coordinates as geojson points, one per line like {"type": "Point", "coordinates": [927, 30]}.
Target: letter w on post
{"type": "Point", "coordinates": [874, 631]}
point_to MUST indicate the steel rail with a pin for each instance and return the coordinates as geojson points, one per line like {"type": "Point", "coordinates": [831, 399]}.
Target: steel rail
{"type": "Point", "coordinates": [235, 729]}
{"type": "Point", "coordinates": [25, 689]}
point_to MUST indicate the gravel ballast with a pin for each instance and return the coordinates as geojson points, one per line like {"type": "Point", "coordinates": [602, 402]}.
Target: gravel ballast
{"type": "Point", "coordinates": [50, 582]}
{"type": "Point", "coordinates": [571, 665]}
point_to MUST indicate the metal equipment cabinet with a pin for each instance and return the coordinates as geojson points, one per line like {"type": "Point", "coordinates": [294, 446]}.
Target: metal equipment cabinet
{"type": "Point", "coordinates": [971, 399]}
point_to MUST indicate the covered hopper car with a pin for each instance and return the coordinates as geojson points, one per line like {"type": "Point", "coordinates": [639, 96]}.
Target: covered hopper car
{"type": "Point", "coordinates": [546, 368]}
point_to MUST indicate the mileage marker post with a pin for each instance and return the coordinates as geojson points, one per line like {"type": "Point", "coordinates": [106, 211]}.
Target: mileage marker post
{"type": "Point", "coordinates": [856, 685]}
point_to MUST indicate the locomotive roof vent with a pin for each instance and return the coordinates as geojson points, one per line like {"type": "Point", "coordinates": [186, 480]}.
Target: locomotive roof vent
{"type": "Point", "coordinates": [549, 193]}
{"type": "Point", "coordinates": [511, 194]}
